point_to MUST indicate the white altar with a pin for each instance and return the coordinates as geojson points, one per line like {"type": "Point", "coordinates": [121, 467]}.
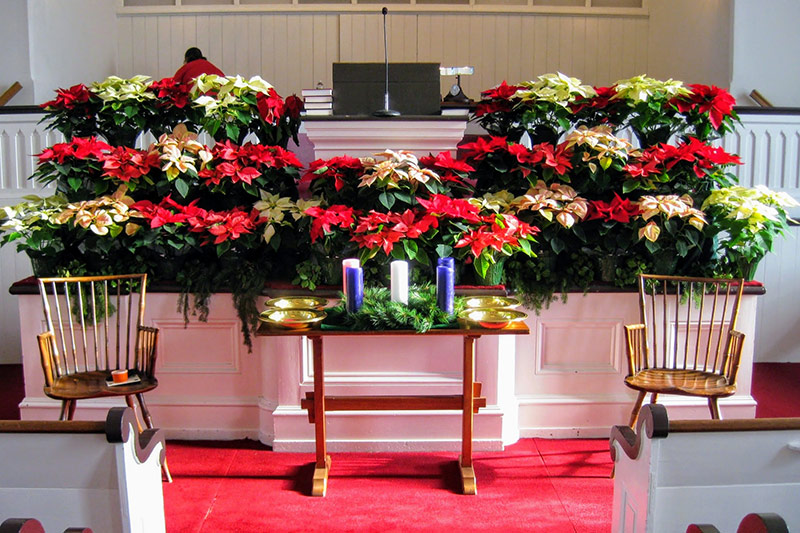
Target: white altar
{"type": "Point", "coordinates": [565, 379]}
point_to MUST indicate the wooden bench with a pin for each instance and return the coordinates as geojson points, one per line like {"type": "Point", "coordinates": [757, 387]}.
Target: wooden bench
{"type": "Point", "coordinates": [669, 474]}
{"type": "Point", "coordinates": [100, 475]}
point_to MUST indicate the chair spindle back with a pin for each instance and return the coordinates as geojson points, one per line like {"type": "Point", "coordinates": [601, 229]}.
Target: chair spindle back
{"type": "Point", "coordinates": [689, 323]}
{"type": "Point", "coordinates": [95, 322]}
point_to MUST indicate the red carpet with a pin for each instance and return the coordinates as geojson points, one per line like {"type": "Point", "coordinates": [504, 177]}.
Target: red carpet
{"type": "Point", "coordinates": [776, 388]}
{"type": "Point", "coordinates": [534, 485]}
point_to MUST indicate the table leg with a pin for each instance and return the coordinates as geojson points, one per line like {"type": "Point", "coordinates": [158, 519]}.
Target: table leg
{"type": "Point", "coordinates": [323, 460]}
{"type": "Point", "coordinates": [465, 460]}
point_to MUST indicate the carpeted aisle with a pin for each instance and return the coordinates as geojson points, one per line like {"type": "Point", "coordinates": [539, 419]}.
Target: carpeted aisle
{"type": "Point", "coordinates": [246, 487]}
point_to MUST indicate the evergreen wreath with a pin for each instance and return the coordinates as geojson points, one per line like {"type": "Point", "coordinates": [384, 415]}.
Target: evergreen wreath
{"type": "Point", "coordinates": [378, 312]}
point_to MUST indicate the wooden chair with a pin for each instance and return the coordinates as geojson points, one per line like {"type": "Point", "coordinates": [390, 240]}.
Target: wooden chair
{"type": "Point", "coordinates": [95, 325]}
{"type": "Point", "coordinates": [687, 342]}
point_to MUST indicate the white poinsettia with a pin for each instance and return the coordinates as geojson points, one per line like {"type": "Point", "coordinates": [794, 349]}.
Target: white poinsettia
{"type": "Point", "coordinates": [115, 88]}
{"type": "Point", "coordinates": [641, 89]}
{"type": "Point", "coordinates": [556, 88]}
{"type": "Point", "coordinates": [757, 206]}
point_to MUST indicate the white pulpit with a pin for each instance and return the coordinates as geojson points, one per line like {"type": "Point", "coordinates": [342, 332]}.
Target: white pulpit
{"type": "Point", "coordinates": [359, 136]}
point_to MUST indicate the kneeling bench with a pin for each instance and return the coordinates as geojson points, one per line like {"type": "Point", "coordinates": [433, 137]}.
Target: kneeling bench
{"type": "Point", "coordinates": [102, 475]}
{"type": "Point", "coordinates": [669, 474]}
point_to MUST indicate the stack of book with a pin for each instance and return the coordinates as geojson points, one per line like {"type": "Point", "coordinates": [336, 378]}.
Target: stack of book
{"type": "Point", "coordinates": [318, 101]}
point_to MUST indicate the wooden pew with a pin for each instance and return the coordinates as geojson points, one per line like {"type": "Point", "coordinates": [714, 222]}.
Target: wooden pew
{"type": "Point", "coordinates": [100, 475]}
{"type": "Point", "coordinates": [672, 473]}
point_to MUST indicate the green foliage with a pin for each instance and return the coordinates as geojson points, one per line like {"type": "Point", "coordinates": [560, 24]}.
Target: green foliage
{"type": "Point", "coordinates": [378, 312]}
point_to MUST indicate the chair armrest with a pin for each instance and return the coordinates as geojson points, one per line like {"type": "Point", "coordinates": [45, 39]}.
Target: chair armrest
{"type": "Point", "coordinates": [147, 343]}
{"type": "Point", "coordinates": [636, 346]}
{"type": "Point", "coordinates": [49, 357]}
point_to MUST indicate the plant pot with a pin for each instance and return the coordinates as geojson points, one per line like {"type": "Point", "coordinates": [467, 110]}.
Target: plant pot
{"type": "Point", "coordinates": [494, 274]}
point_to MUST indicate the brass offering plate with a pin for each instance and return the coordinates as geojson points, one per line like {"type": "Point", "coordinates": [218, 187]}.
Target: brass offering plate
{"type": "Point", "coordinates": [297, 302]}
{"type": "Point", "coordinates": [293, 318]}
{"type": "Point", "coordinates": [491, 318]}
{"type": "Point", "coordinates": [490, 302]}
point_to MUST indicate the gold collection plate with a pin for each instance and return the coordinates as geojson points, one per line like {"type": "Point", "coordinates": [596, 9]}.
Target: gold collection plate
{"type": "Point", "coordinates": [490, 302]}
{"type": "Point", "coordinates": [293, 318]}
{"type": "Point", "coordinates": [297, 302]}
{"type": "Point", "coordinates": [491, 318]}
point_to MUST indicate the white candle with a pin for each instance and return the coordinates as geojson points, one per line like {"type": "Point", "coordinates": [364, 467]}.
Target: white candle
{"type": "Point", "coordinates": [353, 263]}
{"type": "Point", "coordinates": [400, 281]}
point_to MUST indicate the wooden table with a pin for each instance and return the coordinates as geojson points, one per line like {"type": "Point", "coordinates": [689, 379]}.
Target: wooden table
{"type": "Point", "coordinates": [468, 403]}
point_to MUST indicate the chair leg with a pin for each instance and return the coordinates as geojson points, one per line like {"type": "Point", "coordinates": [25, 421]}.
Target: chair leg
{"type": "Point", "coordinates": [129, 401]}
{"type": "Point", "coordinates": [714, 408]}
{"type": "Point", "coordinates": [67, 410]}
{"type": "Point", "coordinates": [653, 397]}
{"type": "Point", "coordinates": [149, 421]}
{"type": "Point", "coordinates": [636, 408]}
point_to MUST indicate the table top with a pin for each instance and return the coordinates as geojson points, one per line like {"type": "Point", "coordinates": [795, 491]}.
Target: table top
{"type": "Point", "coordinates": [515, 328]}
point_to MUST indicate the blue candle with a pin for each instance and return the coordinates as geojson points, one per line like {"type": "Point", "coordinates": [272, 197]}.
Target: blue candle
{"type": "Point", "coordinates": [354, 277]}
{"type": "Point", "coordinates": [445, 288]}
{"type": "Point", "coordinates": [449, 262]}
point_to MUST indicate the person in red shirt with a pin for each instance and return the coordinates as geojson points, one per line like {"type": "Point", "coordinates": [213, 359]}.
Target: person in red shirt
{"type": "Point", "coordinates": [194, 64]}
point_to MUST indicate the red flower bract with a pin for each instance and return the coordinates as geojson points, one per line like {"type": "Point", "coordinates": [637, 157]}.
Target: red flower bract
{"type": "Point", "coordinates": [270, 107]}
{"type": "Point", "coordinates": [618, 210]}
{"type": "Point", "coordinates": [126, 163]}
{"type": "Point", "coordinates": [68, 98]}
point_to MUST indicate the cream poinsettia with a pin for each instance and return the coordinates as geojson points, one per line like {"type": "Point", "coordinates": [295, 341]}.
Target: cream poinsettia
{"type": "Point", "coordinates": [556, 201]}
{"type": "Point", "coordinates": [603, 145]}
{"type": "Point", "coordinates": [668, 205]}
{"type": "Point", "coordinates": [556, 88]}
{"type": "Point", "coordinates": [180, 152]}
{"type": "Point", "coordinates": [398, 166]}
{"type": "Point", "coordinates": [274, 209]}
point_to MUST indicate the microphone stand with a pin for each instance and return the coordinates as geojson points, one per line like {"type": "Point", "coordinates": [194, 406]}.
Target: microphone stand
{"type": "Point", "coordinates": [386, 112]}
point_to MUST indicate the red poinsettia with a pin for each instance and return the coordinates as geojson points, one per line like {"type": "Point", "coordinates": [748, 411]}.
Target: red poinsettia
{"type": "Point", "coordinates": [617, 210]}
{"type": "Point", "coordinates": [230, 225]}
{"type": "Point", "coordinates": [80, 148]}
{"type": "Point", "coordinates": [383, 230]}
{"type": "Point", "coordinates": [336, 168]}
{"type": "Point", "coordinates": [68, 98]}
{"type": "Point", "coordinates": [270, 107]}
{"type": "Point", "coordinates": [496, 99]}
{"type": "Point", "coordinates": [125, 163]}
{"type": "Point", "coordinates": [663, 157]}
{"type": "Point", "coordinates": [600, 101]}
{"type": "Point", "coordinates": [440, 205]}
{"type": "Point", "coordinates": [293, 105]}
{"type": "Point", "coordinates": [500, 230]}
{"type": "Point", "coordinates": [172, 91]}
{"type": "Point", "coordinates": [166, 212]}
{"type": "Point", "coordinates": [478, 150]}
{"type": "Point", "coordinates": [717, 103]}
{"type": "Point", "coordinates": [324, 219]}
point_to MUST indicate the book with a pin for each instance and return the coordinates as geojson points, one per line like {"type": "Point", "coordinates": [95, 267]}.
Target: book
{"type": "Point", "coordinates": [132, 379]}
{"type": "Point", "coordinates": [456, 111]}
{"type": "Point", "coordinates": [321, 105]}
{"type": "Point", "coordinates": [317, 92]}
{"type": "Point", "coordinates": [318, 112]}
{"type": "Point", "coordinates": [317, 99]}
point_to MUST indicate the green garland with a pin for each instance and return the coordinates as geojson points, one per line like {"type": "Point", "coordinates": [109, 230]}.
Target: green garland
{"type": "Point", "coordinates": [378, 312]}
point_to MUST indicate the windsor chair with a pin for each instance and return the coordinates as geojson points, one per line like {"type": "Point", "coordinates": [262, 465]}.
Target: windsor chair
{"type": "Point", "coordinates": [95, 324]}
{"type": "Point", "coordinates": [686, 342]}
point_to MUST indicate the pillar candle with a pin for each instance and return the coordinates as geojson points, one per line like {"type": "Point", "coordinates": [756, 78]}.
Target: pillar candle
{"type": "Point", "coordinates": [445, 288]}
{"type": "Point", "coordinates": [400, 281]}
{"type": "Point", "coordinates": [449, 262]}
{"type": "Point", "coordinates": [354, 282]}
{"type": "Point", "coordinates": [348, 263]}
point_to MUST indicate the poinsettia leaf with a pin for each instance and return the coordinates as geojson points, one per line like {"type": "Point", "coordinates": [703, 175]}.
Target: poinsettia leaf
{"type": "Point", "coordinates": [629, 185]}
{"type": "Point", "coordinates": [74, 183]}
{"type": "Point", "coordinates": [182, 187]}
{"type": "Point", "coordinates": [386, 200]}
{"type": "Point", "coordinates": [411, 248]}
{"type": "Point", "coordinates": [223, 247]}
{"type": "Point", "coordinates": [444, 250]}
{"type": "Point", "coordinates": [232, 131]}
{"type": "Point", "coordinates": [481, 265]}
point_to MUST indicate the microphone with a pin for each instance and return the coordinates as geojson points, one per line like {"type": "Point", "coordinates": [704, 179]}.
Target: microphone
{"type": "Point", "coordinates": [386, 112]}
